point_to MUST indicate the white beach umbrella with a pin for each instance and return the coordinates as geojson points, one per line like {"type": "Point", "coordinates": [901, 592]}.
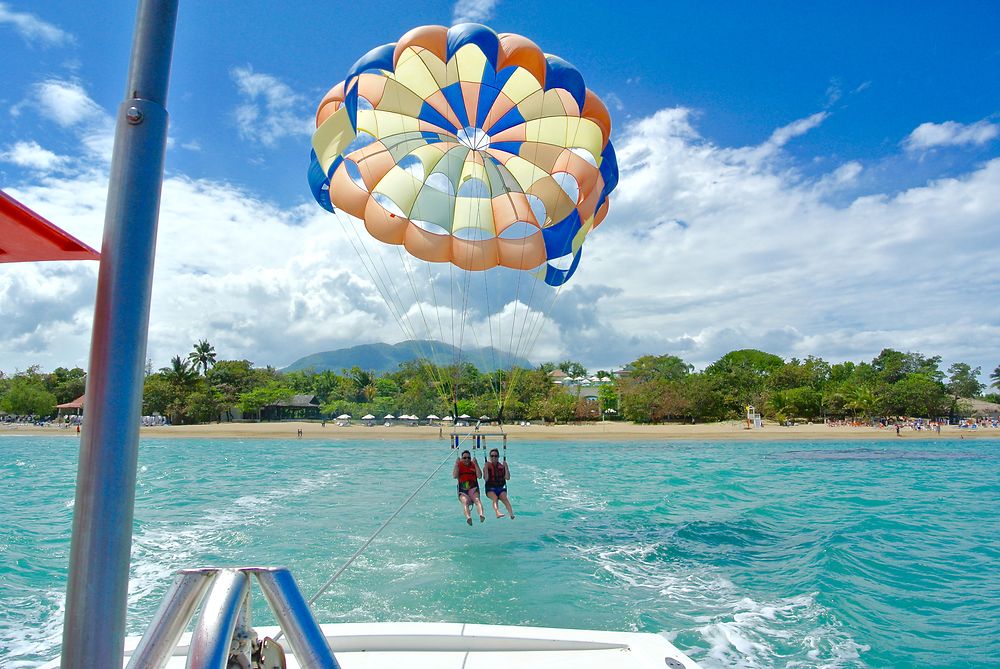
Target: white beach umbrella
{"type": "Point", "coordinates": [465, 415]}
{"type": "Point", "coordinates": [389, 416]}
{"type": "Point", "coordinates": [448, 418]}
{"type": "Point", "coordinates": [368, 416]}
{"type": "Point", "coordinates": [343, 416]}
{"type": "Point", "coordinates": [484, 418]}
{"type": "Point", "coordinates": [432, 417]}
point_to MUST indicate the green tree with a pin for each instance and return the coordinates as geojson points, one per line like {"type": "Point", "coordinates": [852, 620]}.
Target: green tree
{"type": "Point", "coordinates": [861, 400]}
{"type": "Point", "coordinates": [202, 356]}
{"type": "Point", "coordinates": [658, 368]}
{"type": "Point", "coordinates": [27, 396]}
{"type": "Point", "coordinates": [158, 394]}
{"type": "Point", "coordinates": [917, 395]}
{"type": "Point", "coordinates": [813, 372]}
{"type": "Point", "coordinates": [995, 378]}
{"type": "Point", "coordinates": [640, 400]}
{"type": "Point", "coordinates": [891, 366]}
{"type": "Point", "coordinates": [573, 369]}
{"type": "Point", "coordinates": [179, 372]}
{"type": "Point", "coordinates": [231, 378]}
{"type": "Point", "coordinates": [362, 383]}
{"type": "Point", "coordinates": [804, 402]}
{"type": "Point", "coordinates": [963, 381]}
{"type": "Point", "coordinates": [706, 400]}
{"type": "Point", "coordinates": [256, 399]}
{"type": "Point", "coordinates": [607, 398]}
{"type": "Point", "coordinates": [557, 407]}
{"type": "Point", "coordinates": [66, 384]}
{"type": "Point", "coordinates": [204, 405]}
{"type": "Point", "coordinates": [742, 377]}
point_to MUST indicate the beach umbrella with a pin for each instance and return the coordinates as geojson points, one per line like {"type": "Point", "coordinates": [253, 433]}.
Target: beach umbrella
{"type": "Point", "coordinates": [448, 418]}
{"type": "Point", "coordinates": [432, 417]}
{"type": "Point", "coordinates": [343, 416]}
{"type": "Point", "coordinates": [368, 416]}
{"type": "Point", "coordinates": [484, 418]}
{"type": "Point", "coordinates": [389, 416]}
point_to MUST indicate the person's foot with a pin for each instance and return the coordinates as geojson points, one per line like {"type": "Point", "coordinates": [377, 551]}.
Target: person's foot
{"type": "Point", "coordinates": [499, 515]}
{"type": "Point", "coordinates": [469, 521]}
{"type": "Point", "coordinates": [512, 516]}
{"type": "Point", "coordinates": [482, 518]}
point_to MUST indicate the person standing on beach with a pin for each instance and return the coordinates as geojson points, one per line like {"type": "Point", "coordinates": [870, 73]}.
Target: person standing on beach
{"type": "Point", "coordinates": [497, 474]}
{"type": "Point", "coordinates": [467, 471]}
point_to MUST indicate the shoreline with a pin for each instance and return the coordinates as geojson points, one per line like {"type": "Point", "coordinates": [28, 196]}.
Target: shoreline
{"type": "Point", "coordinates": [609, 431]}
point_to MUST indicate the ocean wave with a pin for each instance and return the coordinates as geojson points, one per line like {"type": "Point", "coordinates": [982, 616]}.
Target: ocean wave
{"type": "Point", "coordinates": [160, 549]}
{"type": "Point", "coordinates": [31, 628]}
{"type": "Point", "coordinates": [559, 492]}
{"type": "Point", "coordinates": [732, 628]}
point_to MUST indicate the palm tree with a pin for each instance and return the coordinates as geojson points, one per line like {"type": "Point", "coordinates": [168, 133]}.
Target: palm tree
{"type": "Point", "coordinates": [364, 384]}
{"type": "Point", "coordinates": [202, 356]}
{"type": "Point", "coordinates": [861, 398]}
{"type": "Point", "coordinates": [179, 373]}
{"type": "Point", "coordinates": [996, 378]}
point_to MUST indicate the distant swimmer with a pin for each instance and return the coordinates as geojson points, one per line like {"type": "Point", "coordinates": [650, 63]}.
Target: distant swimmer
{"type": "Point", "coordinates": [467, 471]}
{"type": "Point", "coordinates": [497, 474]}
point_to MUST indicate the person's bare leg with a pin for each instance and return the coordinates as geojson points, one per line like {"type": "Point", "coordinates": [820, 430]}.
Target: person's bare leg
{"type": "Point", "coordinates": [506, 503]}
{"type": "Point", "coordinates": [464, 501]}
{"type": "Point", "coordinates": [496, 507]}
{"type": "Point", "coordinates": [479, 507]}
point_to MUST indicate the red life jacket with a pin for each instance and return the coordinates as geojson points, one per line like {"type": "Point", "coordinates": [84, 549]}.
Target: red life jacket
{"type": "Point", "coordinates": [467, 475]}
{"type": "Point", "coordinates": [496, 475]}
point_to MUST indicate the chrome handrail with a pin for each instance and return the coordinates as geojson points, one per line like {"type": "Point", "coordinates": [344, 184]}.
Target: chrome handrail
{"type": "Point", "coordinates": [225, 615]}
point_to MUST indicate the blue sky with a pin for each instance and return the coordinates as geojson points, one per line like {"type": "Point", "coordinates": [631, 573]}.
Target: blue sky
{"type": "Point", "coordinates": [797, 177]}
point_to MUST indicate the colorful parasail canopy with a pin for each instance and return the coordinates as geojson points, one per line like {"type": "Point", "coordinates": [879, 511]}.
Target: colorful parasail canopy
{"type": "Point", "coordinates": [468, 147]}
{"type": "Point", "coordinates": [27, 237]}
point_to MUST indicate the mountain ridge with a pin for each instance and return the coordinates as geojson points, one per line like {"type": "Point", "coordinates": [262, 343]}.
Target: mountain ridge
{"type": "Point", "coordinates": [381, 358]}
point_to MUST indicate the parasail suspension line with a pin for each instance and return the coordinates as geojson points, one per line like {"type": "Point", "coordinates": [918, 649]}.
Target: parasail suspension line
{"type": "Point", "coordinates": [323, 588]}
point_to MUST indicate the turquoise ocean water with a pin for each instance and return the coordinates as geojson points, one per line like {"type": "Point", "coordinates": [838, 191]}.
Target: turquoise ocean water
{"type": "Point", "coordinates": [833, 554]}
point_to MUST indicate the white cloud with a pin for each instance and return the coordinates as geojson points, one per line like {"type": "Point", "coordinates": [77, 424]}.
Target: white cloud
{"type": "Point", "coordinates": [32, 156]}
{"type": "Point", "coordinates": [271, 110]}
{"type": "Point", "coordinates": [705, 250]}
{"type": "Point", "coordinates": [473, 11]}
{"type": "Point", "coordinates": [614, 101]}
{"type": "Point", "coordinates": [66, 103]}
{"type": "Point", "coordinates": [33, 29]}
{"type": "Point", "coordinates": [950, 133]}
{"type": "Point", "coordinates": [783, 135]}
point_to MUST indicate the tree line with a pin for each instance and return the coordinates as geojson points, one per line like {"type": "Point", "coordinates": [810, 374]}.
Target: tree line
{"type": "Point", "coordinates": [199, 388]}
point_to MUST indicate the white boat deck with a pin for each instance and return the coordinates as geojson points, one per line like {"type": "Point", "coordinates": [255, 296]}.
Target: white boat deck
{"type": "Point", "coordinates": [470, 646]}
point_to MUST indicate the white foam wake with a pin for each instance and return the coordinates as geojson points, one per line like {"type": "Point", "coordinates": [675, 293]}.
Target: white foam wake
{"type": "Point", "coordinates": [732, 628]}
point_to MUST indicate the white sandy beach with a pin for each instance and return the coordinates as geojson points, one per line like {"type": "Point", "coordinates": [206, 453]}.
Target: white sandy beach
{"type": "Point", "coordinates": [608, 431]}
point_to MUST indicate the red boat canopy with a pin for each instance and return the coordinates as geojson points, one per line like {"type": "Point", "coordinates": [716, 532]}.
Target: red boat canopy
{"type": "Point", "coordinates": [27, 237]}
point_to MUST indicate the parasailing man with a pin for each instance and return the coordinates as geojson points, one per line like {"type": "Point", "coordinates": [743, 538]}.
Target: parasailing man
{"type": "Point", "coordinates": [467, 471]}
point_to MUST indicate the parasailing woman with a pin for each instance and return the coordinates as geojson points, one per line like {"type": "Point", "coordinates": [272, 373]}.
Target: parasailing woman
{"type": "Point", "coordinates": [497, 474]}
{"type": "Point", "coordinates": [467, 471]}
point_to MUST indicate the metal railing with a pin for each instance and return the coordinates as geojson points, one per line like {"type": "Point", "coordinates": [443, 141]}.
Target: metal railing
{"type": "Point", "coordinates": [223, 632]}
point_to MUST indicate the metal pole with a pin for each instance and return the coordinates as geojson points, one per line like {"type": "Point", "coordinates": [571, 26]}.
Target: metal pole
{"type": "Point", "coordinates": [295, 618]}
{"type": "Point", "coordinates": [213, 634]}
{"type": "Point", "coordinates": [171, 619]}
{"type": "Point", "coordinates": [94, 627]}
